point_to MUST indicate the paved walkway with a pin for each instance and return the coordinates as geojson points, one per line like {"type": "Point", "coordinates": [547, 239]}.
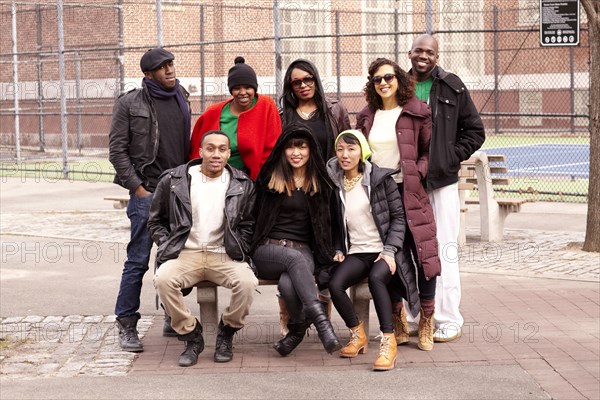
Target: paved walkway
{"type": "Point", "coordinates": [532, 330]}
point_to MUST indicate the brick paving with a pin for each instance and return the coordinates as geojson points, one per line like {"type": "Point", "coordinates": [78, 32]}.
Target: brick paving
{"type": "Point", "coordinates": [531, 300]}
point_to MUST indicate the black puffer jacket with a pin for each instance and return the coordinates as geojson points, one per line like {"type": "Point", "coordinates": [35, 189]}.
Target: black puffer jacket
{"type": "Point", "coordinates": [388, 215]}
{"type": "Point", "coordinates": [170, 219]}
{"type": "Point", "coordinates": [269, 202]}
{"type": "Point", "coordinates": [134, 136]}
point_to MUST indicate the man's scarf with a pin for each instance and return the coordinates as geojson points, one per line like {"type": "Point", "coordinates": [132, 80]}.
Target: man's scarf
{"type": "Point", "coordinates": [159, 92]}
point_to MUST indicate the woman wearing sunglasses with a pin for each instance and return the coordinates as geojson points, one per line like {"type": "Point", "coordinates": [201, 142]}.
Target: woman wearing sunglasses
{"type": "Point", "coordinates": [398, 128]}
{"type": "Point", "coordinates": [304, 101]}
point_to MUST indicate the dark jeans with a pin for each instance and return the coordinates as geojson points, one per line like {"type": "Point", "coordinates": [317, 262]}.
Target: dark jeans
{"type": "Point", "coordinates": [294, 268]}
{"type": "Point", "coordinates": [354, 269]}
{"type": "Point", "coordinates": [138, 256]}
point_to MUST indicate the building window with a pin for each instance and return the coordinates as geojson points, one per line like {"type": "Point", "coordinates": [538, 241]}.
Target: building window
{"type": "Point", "coordinates": [530, 102]}
{"type": "Point", "coordinates": [461, 51]}
{"type": "Point", "coordinates": [528, 13]}
{"type": "Point", "coordinates": [306, 19]}
{"type": "Point", "coordinates": [385, 16]}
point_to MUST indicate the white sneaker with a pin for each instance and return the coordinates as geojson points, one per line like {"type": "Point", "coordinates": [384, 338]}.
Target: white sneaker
{"type": "Point", "coordinates": [447, 333]}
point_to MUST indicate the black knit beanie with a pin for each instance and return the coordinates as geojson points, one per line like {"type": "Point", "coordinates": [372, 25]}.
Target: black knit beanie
{"type": "Point", "coordinates": [241, 74]}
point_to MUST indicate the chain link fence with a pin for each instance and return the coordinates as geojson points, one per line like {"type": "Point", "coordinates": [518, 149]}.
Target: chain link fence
{"type": "Point", "coordinates": [534, 100]}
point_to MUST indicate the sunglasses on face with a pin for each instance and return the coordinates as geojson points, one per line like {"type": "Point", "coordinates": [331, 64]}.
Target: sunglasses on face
{"type": "Point", "coordinates": [387, 77]}
{"type": "Point", "coordinates": [307, 80]}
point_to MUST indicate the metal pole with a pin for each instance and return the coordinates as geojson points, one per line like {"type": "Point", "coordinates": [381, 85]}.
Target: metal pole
{"type": "Point", "coordinates": [15, 76]}
{"type": "Point", "coordinates": [63, 94]}
{"type": "Point", "coordinates": [277, 39]}
{"type": "Point", "coordinates": [121, 57]}
{"type": "Point", "coordinates": [78, 97]}
{"type": "Point", "coordinates": [40, 99]}
{"type": "Point", "coordinates": [429, 16]}
{"type": "Point", "coordinates": [159, 32]}
{"type": "Point", "coordinates": [396, 28]}
{"type": "Point", "coordinates": [572, 76]}
{"type": "Point", "coordinates": [496, 82]}
{"type": "Point", "coordinates": [338, 50]}
{"type": "Point", "coordinates": [202, 61]}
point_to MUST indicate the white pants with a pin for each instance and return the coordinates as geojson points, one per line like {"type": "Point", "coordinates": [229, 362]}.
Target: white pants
{"type": "Point", "coordinates": [446, 210]}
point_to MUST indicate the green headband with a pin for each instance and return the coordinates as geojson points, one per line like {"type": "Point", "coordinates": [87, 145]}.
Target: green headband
{"type": "Point", "coordinates": [364, 145]}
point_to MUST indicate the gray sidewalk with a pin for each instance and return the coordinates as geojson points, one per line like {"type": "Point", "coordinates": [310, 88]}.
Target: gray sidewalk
{"type": "Point", "coordinates": [530, 304]}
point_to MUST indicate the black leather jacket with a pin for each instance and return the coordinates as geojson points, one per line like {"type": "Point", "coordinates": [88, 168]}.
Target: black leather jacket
{"type": "Point", "coordinates": [457, 130]}
{"type": "Point", "coordinates": [170, 219]}
{"type": "Point", "coordinates": [133, 137]}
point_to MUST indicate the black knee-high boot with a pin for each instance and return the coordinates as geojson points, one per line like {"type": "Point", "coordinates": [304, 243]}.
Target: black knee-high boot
{"type": "Point", "coordinates": [318, 316]}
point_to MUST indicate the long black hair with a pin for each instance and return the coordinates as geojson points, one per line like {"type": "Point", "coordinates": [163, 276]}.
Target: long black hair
{"type": "Point", "coordinates": [277, 174]}
{"type": "Point", "coordinates": [289, 102]}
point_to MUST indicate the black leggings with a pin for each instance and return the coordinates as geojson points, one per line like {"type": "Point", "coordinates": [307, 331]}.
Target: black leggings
{"type": "Point", "coordinates": [354, 269]}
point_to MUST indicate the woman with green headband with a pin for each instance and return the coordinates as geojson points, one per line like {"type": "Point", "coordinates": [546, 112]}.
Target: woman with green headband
{"type": "Point", "coordinates": [370, 221]}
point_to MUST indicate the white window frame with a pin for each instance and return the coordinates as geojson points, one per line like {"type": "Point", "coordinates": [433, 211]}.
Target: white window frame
{"type": "Point", "coordinates": [295, 23]}
{"type": "Point", "coordinates": [404, 22]}
{"type": "Point", "coordinates": [465, 56]}
{"type": "Point", "coordinates": [528, 13]}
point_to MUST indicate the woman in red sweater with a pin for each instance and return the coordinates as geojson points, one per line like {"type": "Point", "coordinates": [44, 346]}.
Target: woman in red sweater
{"type": "Point", "coordinates": [250, 120]}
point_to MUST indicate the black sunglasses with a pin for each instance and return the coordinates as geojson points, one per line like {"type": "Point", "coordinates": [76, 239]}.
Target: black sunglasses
{"type": "Point", "coordinates": [307, 80]}
{"type": "Point", "coordinates": [387, 77]}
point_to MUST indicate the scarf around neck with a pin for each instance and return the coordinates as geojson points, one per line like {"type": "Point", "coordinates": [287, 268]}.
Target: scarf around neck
{"type": "Point", "coordinates": [158, 92]}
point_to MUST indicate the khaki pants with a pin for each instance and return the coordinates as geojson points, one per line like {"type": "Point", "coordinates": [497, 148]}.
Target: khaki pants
{"type": "Point", "coordinates": [193, 266]}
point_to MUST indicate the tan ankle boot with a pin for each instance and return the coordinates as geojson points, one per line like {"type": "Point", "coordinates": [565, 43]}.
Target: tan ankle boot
{"type": "Point", "coordinates": [357, 344]}
{"type": "Point", "coordinates": [401, 327]}
{"type": "Point", "coordinates": [387, 353]}
{"type": "Point", "coordinates": [426, 328]}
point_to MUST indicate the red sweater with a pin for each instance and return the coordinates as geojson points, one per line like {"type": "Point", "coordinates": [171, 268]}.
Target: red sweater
{"type": "Point", "coordinates": [258, 130]}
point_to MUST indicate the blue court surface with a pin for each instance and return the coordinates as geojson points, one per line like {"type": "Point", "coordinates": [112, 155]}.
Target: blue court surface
{"type": "Point", "coordinates": [568, 160]}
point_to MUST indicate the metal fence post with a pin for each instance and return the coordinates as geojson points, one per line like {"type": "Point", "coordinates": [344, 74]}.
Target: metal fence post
{"type": "Point", "coordinates": [277, 40]}
{"type": "Point", "coordinates": [40, 77]}
{"type": "Point", "coordinates": [572, 87]}
{"type": "Point", "coordinates": [429, 16]}
{"type": "Point", "coordinates": [63, 94]}
{"type": "Point", "coordinates": [338, 68]}
{"type": "Point", "coordinates": [159, 32]}
{"type": "Point", "coordinates": [496, 82]}
{"type": "Point", "coordinates": [202, 61]}
{"type": "Point", "coordinates": [121, 44]}
{"type": "Point", "coordinates": [15, 76]}
{"type": "Point", "coordinates": [78, 97]}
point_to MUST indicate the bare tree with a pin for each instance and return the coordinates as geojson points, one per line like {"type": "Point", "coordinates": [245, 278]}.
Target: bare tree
{"type": "Point", "coordinates": [592, 232]}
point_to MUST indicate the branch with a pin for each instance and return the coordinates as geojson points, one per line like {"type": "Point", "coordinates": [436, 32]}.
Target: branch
{"type": "Point", "coordinates": [592, 13]}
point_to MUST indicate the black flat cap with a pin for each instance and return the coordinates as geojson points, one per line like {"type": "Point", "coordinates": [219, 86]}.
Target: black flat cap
{"type": "Point", "coordinates": [153, 59]}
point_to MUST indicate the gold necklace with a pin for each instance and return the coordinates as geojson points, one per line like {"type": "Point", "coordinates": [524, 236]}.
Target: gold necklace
{"type": "Point", "coordinates": [305, 115]}
{"type": "Point", "coordinates": [350, 183]}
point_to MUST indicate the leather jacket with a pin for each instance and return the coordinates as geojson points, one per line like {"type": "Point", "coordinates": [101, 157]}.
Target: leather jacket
{"type": "Point", "coordinates": [134, 136]}
{"type": "Point", "coordinates": [170, 219]}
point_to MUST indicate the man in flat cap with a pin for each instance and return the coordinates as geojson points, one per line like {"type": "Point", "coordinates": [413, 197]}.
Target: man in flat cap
{"type": "Point", "coordinates": [150, 133]}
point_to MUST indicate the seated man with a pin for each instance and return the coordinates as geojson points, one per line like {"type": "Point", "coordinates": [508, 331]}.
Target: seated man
{"type": "Point", "coordinates": [201, 219]}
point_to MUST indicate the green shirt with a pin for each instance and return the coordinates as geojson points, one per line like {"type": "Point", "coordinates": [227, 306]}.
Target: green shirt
{"type": "Point", "coordinates": [423, 89]}
{"type": "Point", "coordinates": [229, 124]}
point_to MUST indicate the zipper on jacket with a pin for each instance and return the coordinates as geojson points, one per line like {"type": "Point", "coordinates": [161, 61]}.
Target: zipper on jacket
{"type": "Point", "coordinates": [229, 226]}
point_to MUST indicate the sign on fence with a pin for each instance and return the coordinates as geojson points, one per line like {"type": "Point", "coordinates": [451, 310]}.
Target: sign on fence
{"type": "Point", "coordinates": [559, 22]}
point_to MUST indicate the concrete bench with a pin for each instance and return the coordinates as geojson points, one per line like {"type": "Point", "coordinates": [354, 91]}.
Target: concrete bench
{"type": "Point", "coordinates": [493, 210]}
{"type": "Point", "coordinates": [119, 202]}
{"type": "Point", "coordinates": [209, 308]}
